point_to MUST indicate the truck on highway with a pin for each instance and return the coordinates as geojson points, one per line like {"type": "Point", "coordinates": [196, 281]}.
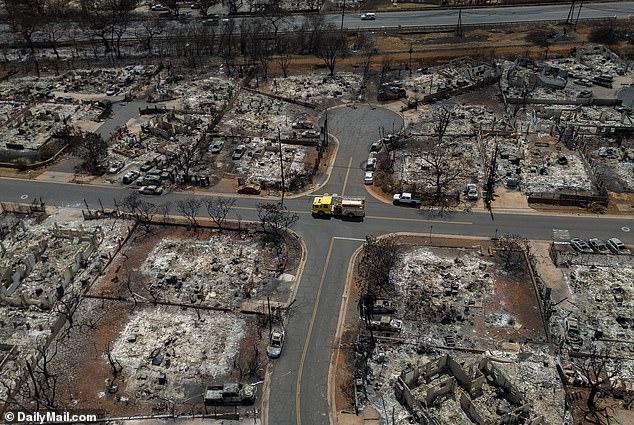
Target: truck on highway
{"type": "Point", "coordinates": [334, 205]}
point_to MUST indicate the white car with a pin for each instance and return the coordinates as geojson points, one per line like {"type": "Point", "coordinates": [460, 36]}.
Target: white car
{"type": "Point", "coordinates": [151, 190]}
{"type": "Point", "coordinates": [276, 342]}
{"type": "Point", "coordinates": [472, 192]}
{"type": "Point", "coordinates": [115, 167]}
{"type": "Point", "coordinates": [617, 247]}
{"type": "Point", "coordinates": [111, 91]}
{"type": "Point", "coordinates": [368, 17]}
{"type": "Point", "coordinates": [368, 178]}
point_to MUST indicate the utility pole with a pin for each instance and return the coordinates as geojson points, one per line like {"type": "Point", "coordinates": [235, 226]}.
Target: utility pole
{"type": "Point", "coordinates": [459, 30]}
{"type": "Point", "coordinates": [571, 13]}
{"type": "Point", "coordinates": [279, 144]}
{"type": "Point", "coordinates": [343, 13]}
{"type": "Point", "coordinates": [578, 13]}
{"type": "Point", "coordinates": [411, 50]}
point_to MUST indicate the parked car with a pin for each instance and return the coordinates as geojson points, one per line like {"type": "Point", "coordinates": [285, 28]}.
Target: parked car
{"type": "Point", "coordinates": [151, 190]}
{"type": "Point", "coordinates": [276, 342]}
{"type": "Point", "coordinates": [573, 335]}
{"type": "Point", "coordinates": [230, 394]}
{"type": "Point", "coordinates": [115, 167]}
{"type": "Point", "coordinates": [369, 177]}
{"type": "Point", "coordinates": [149, 180]}
{"type": "Point", "coordinates": [302, 125]}
{"type": "Point", "coordinates": [112, 91]}
{"type": "Point", "coordinates": [598, 246]}
{"type": "Point", "coordinates": [147, 166]}
{"type": "Point", "coordinates": [217, 147]}
{"type": "Point", "coordinates": [617, 247]}
{"type": "Point", "coordinates": [376, 146]}
{"type": "Point", "coordinates": [130, 176]}
{"type": "Point", "coordinates": [405, 198]}
{"type": "Point", "coordinates": [370, 165]}
{"type": "Point", "coordinates": [310, 134]}
{"type": "Point", "coordinates": [382, 306]}
{"type": "Point", "coordinates": [387, 323]}
{"type": "Point", "coordinates": [250, 189]}
{"type": "Point", "coordinates": [583, 82]}
{"type": "Point", "coordinates": [472, 192]}
{"type": "Point", "coordinates": [238, 152]}
{"type": "Point", "coordinates": [580, 245]}
{"type": "Point", "coordinates": [368, 17]}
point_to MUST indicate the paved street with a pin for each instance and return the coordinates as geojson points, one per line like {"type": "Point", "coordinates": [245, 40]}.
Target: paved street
{"type": "Point", "coordinates": [299, 382]}
{"type": "Point", "coordinates": [488, 15]}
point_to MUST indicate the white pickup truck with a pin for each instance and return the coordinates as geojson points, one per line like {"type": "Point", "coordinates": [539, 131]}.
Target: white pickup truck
{"type": "Point", "coordinates": [405, 198]}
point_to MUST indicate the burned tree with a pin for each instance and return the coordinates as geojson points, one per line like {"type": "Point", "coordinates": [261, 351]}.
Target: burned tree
{"type": "Point", "coordinates": [218, 209]}
{"type": "Point", "coordinates": [377, 259]}
{"type": "Point", "coordinates": [598, 368]}
{"type": "Point", "coordinates": [510, 249]}
{"type": "Point", "coordinates": [331, 46]}
{"type": "Point", "coordinates": [91, 149]}
{"type": "Point", "coordinates": [151, 28]}
{"type": "Point", "coordinates": [189, 209]}
{"type": "Point", "coordinates": [275, 219]}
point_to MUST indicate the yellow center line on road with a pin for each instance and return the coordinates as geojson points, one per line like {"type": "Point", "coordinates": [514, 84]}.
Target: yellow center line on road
{"type": "Point", "coordinates": [345, 180]}
{"type": "Point", "coordinates": [310, 331]}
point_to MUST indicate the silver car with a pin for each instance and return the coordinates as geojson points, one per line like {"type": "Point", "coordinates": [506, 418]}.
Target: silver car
{"type": "Point", "coordinates": [276, 342]}
{"type": "Point", "coordinates": [617, 247]}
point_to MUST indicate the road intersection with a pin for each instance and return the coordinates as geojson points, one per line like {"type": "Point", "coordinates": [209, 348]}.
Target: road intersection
{"type": "Point", "coordinates": [298, 390]}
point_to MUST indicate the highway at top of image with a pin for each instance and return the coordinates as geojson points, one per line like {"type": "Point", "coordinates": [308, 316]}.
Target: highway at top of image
{"type": "Point", "coordinates": [298, 392]}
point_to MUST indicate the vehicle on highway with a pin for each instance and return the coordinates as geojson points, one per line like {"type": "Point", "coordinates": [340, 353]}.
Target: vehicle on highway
{"type": "Point", "coordinates": [406, 198]}
{"type": "Point", "coordinates": [151, 190]}
{"type": "Point", "coordinates": [217, 147]}
{"type": "Point", "coordinates": [617, 247]}
{"type": "Point", "coordinates": [250, 189]}
{"type": "Point", "coordinates": [276, 342]}
{"type": "Point", "coordinates": [115, 167]}
{"type": "Point", "coordinates": [368, 178]}
{"type": "Point", "coordinates": [368, 17]}
{"type": "Point", "coordinates": [599, 246]}
{"type": "Point", "coordinates": [130, 176]}
{"type": "Point", "coordinates": [580, 245]}
{"type": "Point", "coordinates": [334, 205]}
{"type": "Point", "coordinates": [238, 152]}
{"type": "Point", "coordinates": [230, 394]}
{"type": "Point", "coordinates": [158, 8]}
{"type": "Point", "coordinates": [472, 192]}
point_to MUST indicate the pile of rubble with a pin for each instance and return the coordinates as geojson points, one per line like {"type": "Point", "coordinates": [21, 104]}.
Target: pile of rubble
{"type": "Point", "coordinates": [208, 94]}
{"type": "Point", "coordinates": [164, 351]}
{"type": "Point", "coordinates": [546, 170]}
{"type": "Point", "coordinates": [43, 259]}
{"type": "Point", "coordinates": [220, 271]}
{"type": "Point", "coordinates": [317, 88]}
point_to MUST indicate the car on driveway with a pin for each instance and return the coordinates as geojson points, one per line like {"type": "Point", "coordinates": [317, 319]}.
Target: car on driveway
{"type": "Point", "coordinates": [617, 247]}
{"type": "Point", "coordinates": [369, 177]}
{"type": "Point", "coordinates": [580, 245]}
{"type": "Point", "coordinates": [115, 167]}
{"type": "Point", "coordinates": [217, 146]}
{"type": "Point", "coordinates": [238, 152]}
{"type": "Point", "coordinates": [472, 192]}
{"type": "Point", "coordinates": [599, 246]}
{"type": "Point", "coordinates": [151, 190]}
{"type": "Point", "coordinates": [130, 176]}
{"type": "Point", "coordinates": [250, 189]}
{"type": "Point", "coordinates": [276, 342]}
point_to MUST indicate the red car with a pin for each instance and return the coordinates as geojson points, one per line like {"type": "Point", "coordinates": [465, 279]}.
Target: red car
{"type": "Point", "coordinates": [250, 189]}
